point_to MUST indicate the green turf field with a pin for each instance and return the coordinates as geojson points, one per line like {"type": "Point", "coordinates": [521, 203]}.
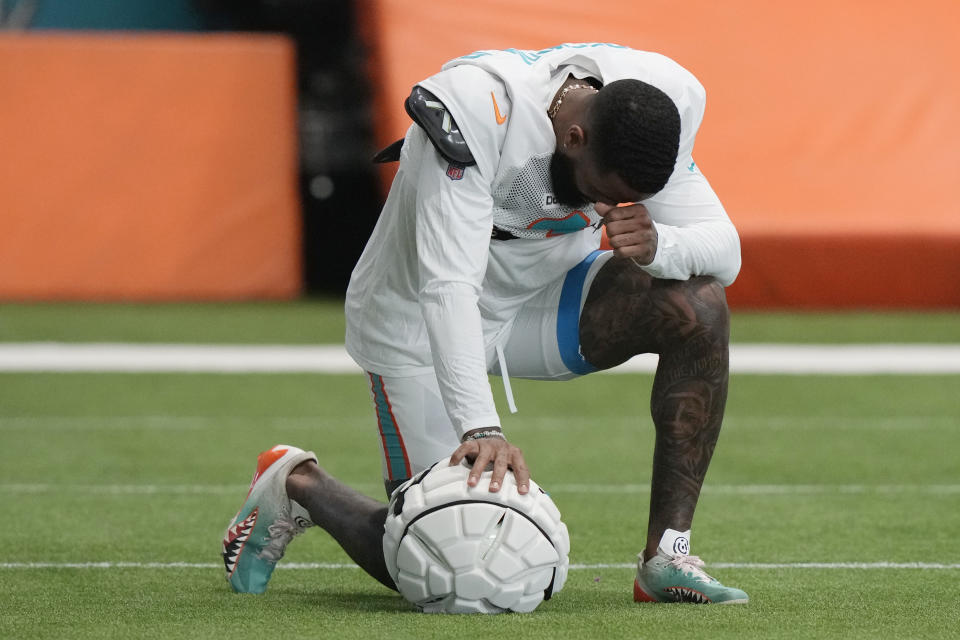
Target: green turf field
{"type": "Point", "coordinates": [142, 472]}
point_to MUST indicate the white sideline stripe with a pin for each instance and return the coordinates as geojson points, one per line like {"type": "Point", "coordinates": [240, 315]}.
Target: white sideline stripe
{"type": "Point", "coordinates": [143, 358]}
{"type": "Point", "coordinates": [126, 489]}
{"type": "Point", "coordinates": [557, 489]}
{"type": "Point", "coordinates": [300, 566]}
{"type": "Point", "coordinates": [793, 565]}
{"type": "Point", "coordinates": [181, 422]}
{"type": "Point", "coordinates": [744, 358]}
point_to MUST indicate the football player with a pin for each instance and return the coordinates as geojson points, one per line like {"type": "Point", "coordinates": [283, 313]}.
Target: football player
{"type": "Point", "coordinates": [486, 259]}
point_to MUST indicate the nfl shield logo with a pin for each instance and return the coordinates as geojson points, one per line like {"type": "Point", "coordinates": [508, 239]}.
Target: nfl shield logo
{"type": "Point", "coordinates": [455, 171]}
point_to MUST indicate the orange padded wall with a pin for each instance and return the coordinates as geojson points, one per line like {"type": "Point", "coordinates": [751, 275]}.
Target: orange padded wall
{"type": "Point", "coordinates": [831, 133]}
{"type": "Point", "coordinates": [148, 167]}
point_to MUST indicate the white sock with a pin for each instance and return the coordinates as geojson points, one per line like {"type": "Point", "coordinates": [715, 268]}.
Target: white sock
{"type": "Point", "coordinates": [674, 543]}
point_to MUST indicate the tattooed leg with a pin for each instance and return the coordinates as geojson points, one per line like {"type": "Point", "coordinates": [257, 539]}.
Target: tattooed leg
{"type": "Point", "coordinates": [687, 323]}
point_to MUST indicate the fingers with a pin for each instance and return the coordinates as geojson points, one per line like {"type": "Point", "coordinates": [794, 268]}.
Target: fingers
{"type": "Point", "coordinates": [504, 457]}
{"type": "Point", "coordinates": [629, 238]}
{"type": "Point", "coordinates": [602, 209]}
{"type": "Point", "coordinates": [479, 464]}
{"type": "Point", "coordinates": [500, 465]}
{"type": "Point", "coordinates": [510, 457]}
{"type": "Point", "coordinates": [479, 453]}
{"type": "Point", "coordinates": [631, 232]}
{"type": "Point", "coordinates": [462, 452]}
{"type": "Point", "coordinates": [621, 219]}
{"type": "Point", "coordinates": [612, 214]}
{"type": "Point", "coordinates": [521, 473]}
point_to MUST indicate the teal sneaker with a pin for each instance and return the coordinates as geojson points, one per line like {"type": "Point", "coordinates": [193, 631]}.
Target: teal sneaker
{"type": "Point", "coordinates": [257, 536]}
{"type": "Point", "coordinates": [672, 575]}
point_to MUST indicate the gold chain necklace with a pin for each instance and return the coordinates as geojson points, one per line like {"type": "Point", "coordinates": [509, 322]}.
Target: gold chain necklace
{"type": "Point", "coordinates": [552, 113]}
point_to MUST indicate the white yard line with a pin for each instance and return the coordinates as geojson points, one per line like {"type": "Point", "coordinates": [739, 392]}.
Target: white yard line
{"type": "Point", "coordinates": [314, 566]}
{"type": "Point", "coordinates": [183, 358]}
{"type": "Point", "coordinates": [772, 489]}
{"type": "Point", "coordinates": [530, 424]}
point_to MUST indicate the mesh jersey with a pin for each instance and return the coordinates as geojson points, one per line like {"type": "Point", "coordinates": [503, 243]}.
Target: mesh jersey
{"type": "Point", "coordinates": [523, 203]}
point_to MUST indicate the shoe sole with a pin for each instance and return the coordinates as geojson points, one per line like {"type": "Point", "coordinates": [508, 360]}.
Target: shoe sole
{"type": "Point", "coordinates": [642, 596]}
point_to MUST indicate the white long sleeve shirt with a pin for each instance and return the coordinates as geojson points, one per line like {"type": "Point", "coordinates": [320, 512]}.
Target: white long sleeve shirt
{"type": "Point", "coordinates": [433, 292]}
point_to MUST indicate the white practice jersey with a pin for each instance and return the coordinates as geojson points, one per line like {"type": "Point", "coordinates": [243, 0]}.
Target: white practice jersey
{"type": "Point", "coordinates": [433, 291]}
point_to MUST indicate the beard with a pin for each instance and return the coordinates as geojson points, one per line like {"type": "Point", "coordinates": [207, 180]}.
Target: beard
{"type": "Point", "coordinates": [564, 188]}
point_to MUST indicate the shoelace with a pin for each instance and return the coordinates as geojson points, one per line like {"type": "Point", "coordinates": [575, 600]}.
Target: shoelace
{"type": "Point", "coordinates": [692, 565]}
{"type": "Point", "coordinates": [282, 531]}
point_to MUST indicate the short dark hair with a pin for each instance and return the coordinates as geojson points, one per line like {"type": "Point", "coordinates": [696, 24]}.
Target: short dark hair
{"type": "Point", "coordinates": [635, 132]}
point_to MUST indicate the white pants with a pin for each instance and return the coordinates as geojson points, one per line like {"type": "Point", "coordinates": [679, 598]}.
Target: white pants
{"type": "Point", "coordinates": [542, 344]}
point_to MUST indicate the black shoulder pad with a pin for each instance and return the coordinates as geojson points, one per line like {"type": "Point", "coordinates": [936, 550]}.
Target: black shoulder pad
{"type": "Point", "coordinates": [434, 118]}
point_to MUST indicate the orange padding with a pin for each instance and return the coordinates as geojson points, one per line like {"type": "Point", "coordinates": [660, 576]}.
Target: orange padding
{"type": "Point", "coordinates": [832, 119]}
{"type": "Point", "coordinates": [148, 167]}
{"type": "Point", "coordinates": [846, 272]}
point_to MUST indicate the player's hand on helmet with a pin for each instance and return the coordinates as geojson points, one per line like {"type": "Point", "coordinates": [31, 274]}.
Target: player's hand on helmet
{"type": "Point", "coordinates": [502, 454]}
{"type": "Point", "coordinates": [630, 231]}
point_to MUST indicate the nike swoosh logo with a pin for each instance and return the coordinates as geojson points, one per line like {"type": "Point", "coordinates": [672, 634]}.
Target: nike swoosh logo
{"type": "Point", "coordinates": [496, 110]}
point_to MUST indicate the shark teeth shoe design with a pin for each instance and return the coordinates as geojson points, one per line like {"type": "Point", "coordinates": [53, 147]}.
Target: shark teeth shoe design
{"type": "Point", "coordinates": [259, 534]}
{"type": "Point", "coordinates": [235, 539]}
{"type": "Point", "coordinates": [672, 575]}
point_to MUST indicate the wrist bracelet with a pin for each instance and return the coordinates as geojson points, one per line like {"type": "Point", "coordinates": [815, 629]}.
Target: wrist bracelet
{"type": "Point", "coordinates": [480, 435]}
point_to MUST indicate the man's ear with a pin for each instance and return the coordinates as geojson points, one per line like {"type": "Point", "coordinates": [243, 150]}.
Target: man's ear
{"type": "Point", "coordinates": [574, 139]}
